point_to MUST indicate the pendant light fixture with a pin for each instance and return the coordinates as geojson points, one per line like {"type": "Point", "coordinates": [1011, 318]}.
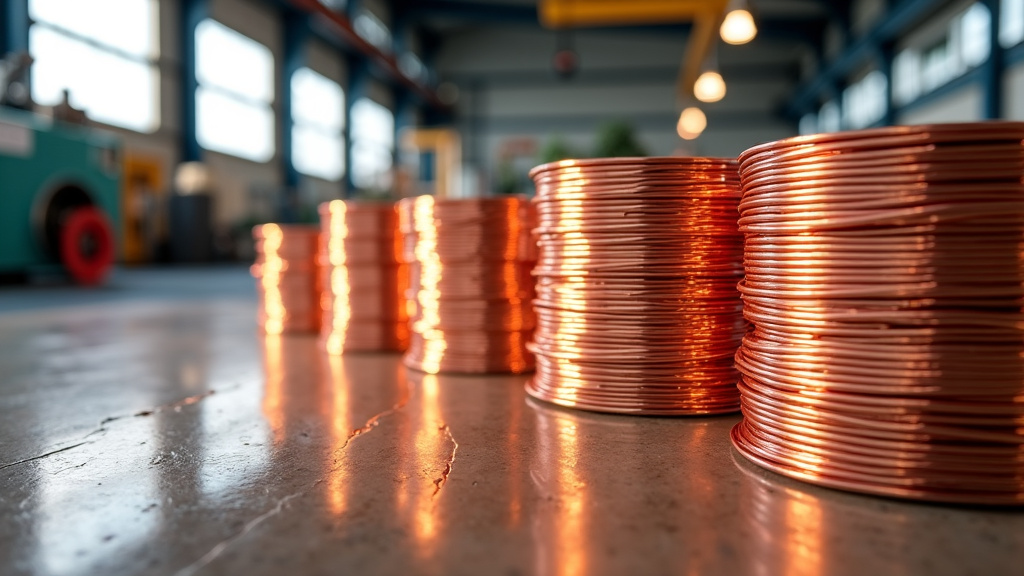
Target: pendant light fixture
{"type": "Point", "coordinates": [738, 26]}
{"type": "Point", "coordinates": [692, 123]}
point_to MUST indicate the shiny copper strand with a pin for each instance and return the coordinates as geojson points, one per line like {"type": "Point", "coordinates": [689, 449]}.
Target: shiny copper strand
{"type": "Point", "coordinates": [637, 308]}
{"type": "Point", "coordinates": [287, 282]}
{"type": "Point", "coordinates": [471, 290]}
{"type": "Point", "coordinates": [364, 280]}
{"type": "Point", "coordinates": [885, 286]}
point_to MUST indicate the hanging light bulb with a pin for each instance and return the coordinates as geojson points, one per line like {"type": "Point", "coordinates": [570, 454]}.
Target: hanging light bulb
{"type": "Point", "coordinates": [738, 26]}
{"type": "Point", "coordinates": [692, 122]}
{"type": "Point", "coordinates": [709, 87]}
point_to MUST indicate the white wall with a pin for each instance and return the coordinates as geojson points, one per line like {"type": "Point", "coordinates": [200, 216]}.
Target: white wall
{"type": "Point", "coordinates": [964, 105]}
{"type": "Point", "coordinates": [1013, 93]}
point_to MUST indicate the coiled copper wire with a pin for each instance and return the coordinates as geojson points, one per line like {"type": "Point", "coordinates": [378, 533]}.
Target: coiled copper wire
{"type": "Point", "coordinates": [364, 278]}
{"type": "Point", "coordinates": [637, 308]}
{"type": "Point", "coordinates": [471, 290]}
{"type": "Point", "coordinates": [885, 285]}
{"type": "Point", "coordinates": [287, 282]}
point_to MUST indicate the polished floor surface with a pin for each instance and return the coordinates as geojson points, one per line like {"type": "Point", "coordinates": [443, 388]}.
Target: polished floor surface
{"type": "Point", "coordinates": [148, 429]}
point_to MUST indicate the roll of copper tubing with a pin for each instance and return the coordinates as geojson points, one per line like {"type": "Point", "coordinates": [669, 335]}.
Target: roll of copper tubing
{"type": "Point", "coordinates": [885, 288]}
{"type": "Point", "coordinates": [364, 280]}
{"type": "Point", "coordinates": [471, 289]}
{"type": "Point", "coordinates": [637, 308]}
{"type": "Point", "coordinates": [287, 282]}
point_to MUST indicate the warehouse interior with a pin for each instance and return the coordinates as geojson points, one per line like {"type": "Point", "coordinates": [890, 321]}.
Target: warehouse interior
{"type": "Point", "coordinates": [151, 423]}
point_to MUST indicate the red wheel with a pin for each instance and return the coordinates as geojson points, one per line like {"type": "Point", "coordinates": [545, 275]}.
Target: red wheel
{"type": "Point", "coordinates": [87, 245]}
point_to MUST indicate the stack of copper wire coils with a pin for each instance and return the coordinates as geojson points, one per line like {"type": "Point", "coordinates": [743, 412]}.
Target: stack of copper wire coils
{"type": "Point", "coordinates": [363, 278]}
{"type": "Point", "coordinates": [471, 289]}
{"type": "Point", "coordinates": [885, 284]}
{"type": "Point", "coordinates": [287, 282]}
{"type": "Point", "coordinates": [637, 307]}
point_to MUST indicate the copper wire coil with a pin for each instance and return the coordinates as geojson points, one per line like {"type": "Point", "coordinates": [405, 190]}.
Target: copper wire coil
{"type": "Point", "coordinates": [885, 288]}
{"type": "Point", "coordinates": [471, 290]}
{"type": "Point", "coordinates": [287, 282]}
{"type": "Point", "coordinates": [471, 244]}
{"type": "Point", "coordinates": [637, 308]}
{"type": "Point", "coordinates": [358, 220]}
{"type": "Point", "coordinates": [467, 280]}
{"type": "Point", "coordinates": [471, 352]}
{"type": "Point", "coordinates": [360, 251]}
{"type": "Point", "coordinates": [372, 336]}
{"type": "Point", "coordinates": [493, 314]}
{"type": "Point", "coordinates": [573, 384]}
{"type": "Point", "coordinates": [364, 282]}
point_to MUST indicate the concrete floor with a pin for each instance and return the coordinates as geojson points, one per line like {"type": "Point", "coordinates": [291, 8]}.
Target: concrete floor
{"type": "Point", "coordinates": [148, 429]}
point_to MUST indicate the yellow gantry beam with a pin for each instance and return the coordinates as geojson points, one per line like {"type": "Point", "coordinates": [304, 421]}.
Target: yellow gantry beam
{"type": "Point", "coordinates": [706, 16]}
{"type": "Point", "coordinates": [571, 13]}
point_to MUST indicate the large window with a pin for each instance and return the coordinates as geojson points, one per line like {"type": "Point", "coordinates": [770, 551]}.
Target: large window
{"type": "Point", "coordinates": [103, 53]}
{"type": "Point", "coordinates": [373, 144]}
{"type": "Point", "coordinates": [1011, 24]}
{"type": "Point", "coordinates": [234, 102]}
{"type": "Point", "coordinates": [318, 144]}
{"type": "Point", "coordinates": [966, 45]}
{"type": "Point", "coordinates": [829, 117]}
{"type": "Point", "coordinates": [864, 101]}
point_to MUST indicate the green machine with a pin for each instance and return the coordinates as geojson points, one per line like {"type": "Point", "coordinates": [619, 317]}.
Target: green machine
{"type": "Point", "coordinates": [59, 197]}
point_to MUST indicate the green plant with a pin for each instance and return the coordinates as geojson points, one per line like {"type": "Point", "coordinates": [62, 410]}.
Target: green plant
{"type": "Point", "coordinates": [507, 179]}
{"type": "Point", "coordinates": [617, 139]}
{"type": "Point", "coordinates": [556, 149]}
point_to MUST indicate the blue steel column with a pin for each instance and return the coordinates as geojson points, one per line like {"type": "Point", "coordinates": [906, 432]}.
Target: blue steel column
{"type": "Point", "coordinates": [14, 24]}
{"type": "Point", "coordinates": [405, 112]}
{"type": "Point", "coordinates": [886, 54]}
{"type": "Point", "coordinates": [296, 34]}
{"type": "Point", "coordinates": [192, 13]}
{"type": "Point", "coordinates": [993, 68]}
{"type": "Point", "coordinates": [357, 79]}
{"type": "Point", "coordinates": [358, 82]}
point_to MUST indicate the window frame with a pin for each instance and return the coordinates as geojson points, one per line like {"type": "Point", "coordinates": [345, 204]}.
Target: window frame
{"type": "Point", "coordinates": [261, 107]}
{"type": "Point", "coordinates": [151, 60]}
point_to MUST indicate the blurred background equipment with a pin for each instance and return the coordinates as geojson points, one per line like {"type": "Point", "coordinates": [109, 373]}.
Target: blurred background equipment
{"type": "Point", "coordinates": [144, 208]}
{"type": "Point", "coordinates": [191, 214]}
{"type": "Point", "coordinates": [60, 201]}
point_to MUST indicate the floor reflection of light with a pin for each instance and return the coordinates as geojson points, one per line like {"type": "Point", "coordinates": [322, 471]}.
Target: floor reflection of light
{"type": "Point", "coordinates": [68, 524]}
{"type": "Point", "coordinates": [273, 392]}
{"type": "Point", "coordinates": [571, 536]}
{"type": "Point", "coordinates": [428, 442]}
{"type": "Point", "coordinates": [341, 429]}
{"type": "Point", "coordinates": [560, 537]}
{"type": "Point", "coordinates": [803, 545]}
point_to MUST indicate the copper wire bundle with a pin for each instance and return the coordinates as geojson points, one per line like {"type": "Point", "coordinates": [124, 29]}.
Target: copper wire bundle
{"type": "Point", "coordinates": [363, 278]}
{"type": "Point", "coordinates": [637, 308]}
{"type": "Point", "coordinates": [286, 278]}
{"type": "Point", "coordinates": [885, 285]}
{"type": "Point", "coordinates": [471, 290]}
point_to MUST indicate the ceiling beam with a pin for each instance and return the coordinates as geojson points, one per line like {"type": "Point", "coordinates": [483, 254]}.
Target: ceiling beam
{"type": "Point", "coordinates": [341, 26]}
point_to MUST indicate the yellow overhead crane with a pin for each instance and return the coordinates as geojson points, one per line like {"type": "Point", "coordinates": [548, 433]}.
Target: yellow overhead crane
{"type": "Point", "coordinates": [706, 16]}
